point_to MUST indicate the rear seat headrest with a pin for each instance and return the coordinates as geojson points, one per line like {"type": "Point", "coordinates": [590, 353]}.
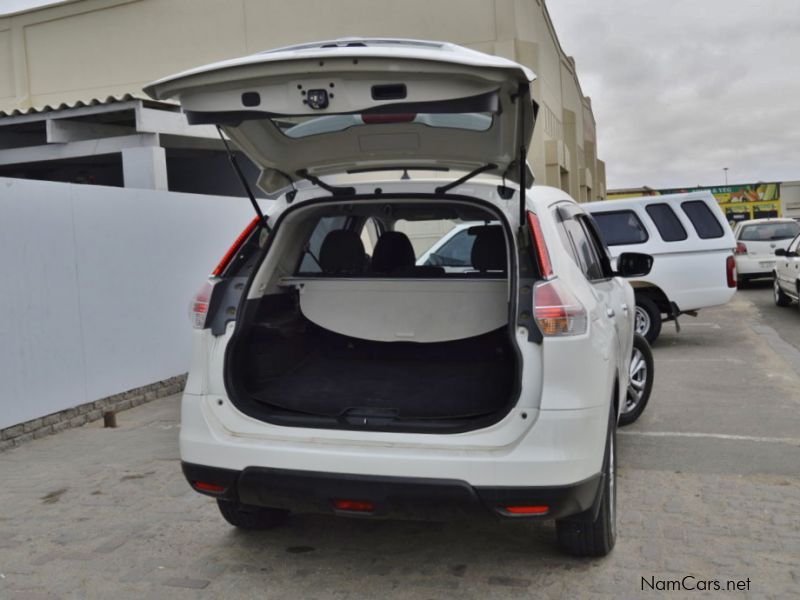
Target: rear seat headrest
{"type": "Point", "coordinates": [342, 253]}
{"type": "Point", "coordinates": [392, 251]}
{"type": "Point", "coordinates": [489, 248]}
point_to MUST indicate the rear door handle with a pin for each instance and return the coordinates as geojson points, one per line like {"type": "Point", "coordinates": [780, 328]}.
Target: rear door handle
{"type": "Point", "coordinates": [624, 308]}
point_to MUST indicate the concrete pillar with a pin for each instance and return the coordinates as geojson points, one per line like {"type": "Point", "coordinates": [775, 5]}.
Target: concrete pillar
{"type": "Point", "coordinates": [145, 167]}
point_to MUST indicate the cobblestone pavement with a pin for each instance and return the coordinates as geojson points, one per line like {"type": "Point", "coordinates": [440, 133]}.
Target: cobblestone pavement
{"type": "Point", "coordinates": [709, 487]}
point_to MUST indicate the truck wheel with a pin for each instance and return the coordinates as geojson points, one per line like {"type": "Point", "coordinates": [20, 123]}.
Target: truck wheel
{"type": "Point", "coordinates": [251, 517]}
{"type": "Point", "coordinates": [648, 319]}
{"type": "Point", "coordinates": [584, 534]}
{"type": "Point", "coordinates": [640, 384]}
{"type": "Point", "coordinates": [781, 299]}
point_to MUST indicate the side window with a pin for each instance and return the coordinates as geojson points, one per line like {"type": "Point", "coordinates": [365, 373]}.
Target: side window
{"type": "Point", "coordinates": [703, 220]}
{"type": "Point", "coordinates": [578, 243]}
{"type": "Point", "coordinates": [667, 222]}
{"type": "Point", "coordinates": [795, 244]}
{"type": "Point", "coordinates": [456, 252]}
{"type": "Point", "coordinates": [620, 227]}
{"type": "Point", "coordinates": [309, 263]}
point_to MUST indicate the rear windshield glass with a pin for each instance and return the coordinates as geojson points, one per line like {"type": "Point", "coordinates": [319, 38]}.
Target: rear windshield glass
{"type": "Point", "coordinates": [669, 226]}
{"type": "Point", "coordinates": [703, 220]}
{"type": "Point", "coordinates": [621, 227]}
{"type": "Point", "coordinates": [769, 232]}
{"type": "Point", "coordinates": [302, 127]}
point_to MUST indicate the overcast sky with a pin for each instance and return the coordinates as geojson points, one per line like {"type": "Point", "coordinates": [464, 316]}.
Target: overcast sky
{"type": "Point", "coordinates": [683, 88]}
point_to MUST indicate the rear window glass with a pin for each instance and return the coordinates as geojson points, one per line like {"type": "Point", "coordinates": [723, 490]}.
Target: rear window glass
{"type": "Point", "coordinates": [621, 227]}
{"type": "Point", "coordinates": [769, 232]}
{"type": "Point", "coordinates": [703, 220]}
{"type": "Point", "coordinates": [302, 127]}
{"type": "Point", "coordinates": [669, 226]}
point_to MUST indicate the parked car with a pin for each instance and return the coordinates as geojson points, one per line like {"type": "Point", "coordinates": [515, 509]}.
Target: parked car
{"type": "Point", "coordinates": [786, 274]}
{"type": "Point", "coordinates": [334, 375]}
{"type": "Point", "coordinates": [692, 248]}
{"type": "Point", "coordinates": [756, 243]}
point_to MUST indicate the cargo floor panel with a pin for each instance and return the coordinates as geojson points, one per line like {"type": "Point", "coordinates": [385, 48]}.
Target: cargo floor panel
{"type": "Point", "coordinates": [332, 385]}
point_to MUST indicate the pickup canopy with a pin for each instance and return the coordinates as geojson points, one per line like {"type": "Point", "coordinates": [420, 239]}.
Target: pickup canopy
{"type": "Point", "coordinates": [364, 104]}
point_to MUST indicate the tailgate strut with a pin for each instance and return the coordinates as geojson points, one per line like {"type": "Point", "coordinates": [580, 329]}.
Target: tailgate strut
{"type": "Point", "coordinates": [242, 178]}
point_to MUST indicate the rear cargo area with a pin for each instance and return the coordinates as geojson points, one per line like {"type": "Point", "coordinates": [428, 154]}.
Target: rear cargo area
{"type": "Point", "coordinates": [354, 329]}
{"type": "Point", "coordinates": [301, 367]}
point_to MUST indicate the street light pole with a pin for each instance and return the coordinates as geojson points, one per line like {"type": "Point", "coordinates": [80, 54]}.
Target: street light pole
{"type": "Point", "coordinates": [726, 175]}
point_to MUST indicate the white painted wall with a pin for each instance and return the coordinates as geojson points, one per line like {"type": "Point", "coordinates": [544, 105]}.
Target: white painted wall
{"type": "Point", "coordinates": [95, 284]}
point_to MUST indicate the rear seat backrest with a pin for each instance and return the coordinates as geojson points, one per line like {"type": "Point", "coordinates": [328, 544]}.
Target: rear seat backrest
{"type": "Point", "coordinates": [342, 253]}
{"type": "Point", "coordinates": [489, 249]}
{"type": "Point", "coordinates": [393, 251]}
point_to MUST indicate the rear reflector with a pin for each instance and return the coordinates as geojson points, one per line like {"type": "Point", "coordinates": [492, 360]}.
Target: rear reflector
{"type": "Point", "coordinates": [226, 260]}
{"type": "Point", "coordinates": [209, 487]}
{"type": "Point", "coordinates": [354, 505]}
{"type": "Point", "coordinates": [556, 310]}
{"type": "Point", "coordinates": [527, 510]}
{"type": "Point", "coordinates": [542, 255]}
{"type": "Point", "coordinates": [730, 269]}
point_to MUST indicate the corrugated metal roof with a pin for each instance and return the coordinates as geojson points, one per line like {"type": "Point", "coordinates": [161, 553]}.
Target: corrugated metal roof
{"type": "Point", "coordinates": [47, 108]}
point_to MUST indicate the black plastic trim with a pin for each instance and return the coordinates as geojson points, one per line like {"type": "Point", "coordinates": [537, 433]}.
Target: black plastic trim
{"type": "Point", "coordinates": [393, 497]}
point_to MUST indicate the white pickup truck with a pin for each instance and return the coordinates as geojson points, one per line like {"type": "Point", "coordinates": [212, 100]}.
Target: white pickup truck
{"type": "Point", "coordinates": [692, 246]}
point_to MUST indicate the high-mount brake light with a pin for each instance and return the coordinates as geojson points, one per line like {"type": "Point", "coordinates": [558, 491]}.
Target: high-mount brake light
{"type": "Point", "coordinates": [730, 271]}
{"type": "Point", "coordinates": [740, 248]}
{"type": "Point", "coordinates": [198, 308]}
{"type": "Point", "coordinates": [235, 247]}
{"type": "Point", "coordinates": [542, 255]}
{"type": "Point", "coordinates": [556, 310]}
{"type": "Point", "coordinates": [379, 119]}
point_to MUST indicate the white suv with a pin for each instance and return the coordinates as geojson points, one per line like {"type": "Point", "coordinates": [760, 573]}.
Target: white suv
{"type": "Point", "coordinates": [333, 374]}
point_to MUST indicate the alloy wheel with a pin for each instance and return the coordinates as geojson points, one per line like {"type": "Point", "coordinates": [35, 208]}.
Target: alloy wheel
{"type": "Point", "coordinates": [637, 382]}
{"type": "Point", "coordinates": [642, 321]}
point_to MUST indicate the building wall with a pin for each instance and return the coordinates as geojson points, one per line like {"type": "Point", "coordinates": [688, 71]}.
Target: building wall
{"type": "Point", "coordinates": [96, 299]}
{"type": "Point", "coordinates": [87, 49]}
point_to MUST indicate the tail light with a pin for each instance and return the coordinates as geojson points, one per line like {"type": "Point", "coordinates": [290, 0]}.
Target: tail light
{"type": "Point", "coordinates": [542, 255]}
{"type": "Point", "coordinates": [740, 248]}
{"type": "Point", "coordinates": [198, 308]}
{"type": "Point", "coordinates": [556, 310]}
{"type": "Point", "coordinates": [730, 269]}
{"type": "Point", "coordinates": [237, 244]}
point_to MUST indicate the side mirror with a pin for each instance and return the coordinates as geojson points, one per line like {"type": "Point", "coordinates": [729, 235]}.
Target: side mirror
{"type": "Point", "coordinates": [634, 264]}
{"type": "Point", "coordinates": [780, 252]}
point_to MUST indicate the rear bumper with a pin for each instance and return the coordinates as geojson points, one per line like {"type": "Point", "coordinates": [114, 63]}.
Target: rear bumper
{"type": "Point", "coordinates": [388, 497]}
{"type": "Point", "coordinates": [757, 266]}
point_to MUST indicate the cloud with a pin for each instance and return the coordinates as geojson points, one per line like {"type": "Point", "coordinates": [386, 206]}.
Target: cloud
{"type": "Point", "coordinates": [684, 88]}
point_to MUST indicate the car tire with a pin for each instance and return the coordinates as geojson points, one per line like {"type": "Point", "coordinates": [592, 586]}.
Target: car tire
{"type": "Point", "coordinates": [248, 517]}
{"type": "Point", "coordinates": [640, 385]}
{"type": "Point", "coordinates": [587, 534]}
{"type": "Point", "coordinates": [781, 299]}
{"type": "Point", "coordinates": [647, 320]}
